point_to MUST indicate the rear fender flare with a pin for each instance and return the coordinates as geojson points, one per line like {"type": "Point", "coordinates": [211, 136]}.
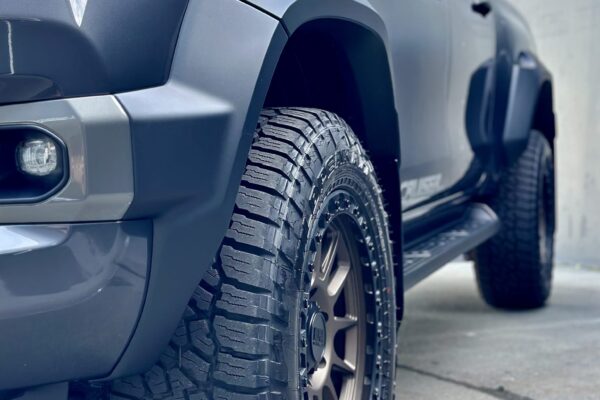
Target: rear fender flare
{"type": "Point", "coordinates": [527, 109]}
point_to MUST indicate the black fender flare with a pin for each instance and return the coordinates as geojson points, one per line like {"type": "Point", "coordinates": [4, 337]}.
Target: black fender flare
{"type": "Point", "coordinates": [527, 106]}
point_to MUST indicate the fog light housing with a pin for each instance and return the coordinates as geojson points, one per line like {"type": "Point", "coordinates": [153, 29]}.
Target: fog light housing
{"type": "Point", "coordinates": [33, 164]}
{"type": "Point", "coordinates": [38, 157]}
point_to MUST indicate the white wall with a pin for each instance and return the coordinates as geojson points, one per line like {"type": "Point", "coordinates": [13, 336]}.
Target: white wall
{"type": "Point", "coordinates": [568, 39]}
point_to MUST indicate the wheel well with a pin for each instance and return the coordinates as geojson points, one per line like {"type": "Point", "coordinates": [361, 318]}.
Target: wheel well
{"type": "Point", "coordinates": [543, 119]}
{"type": "Point", "coordinates": [342, 67]}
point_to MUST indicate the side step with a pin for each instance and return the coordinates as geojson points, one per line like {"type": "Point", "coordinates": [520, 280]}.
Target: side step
{"type": "Point", "coordinates": [426, 255]}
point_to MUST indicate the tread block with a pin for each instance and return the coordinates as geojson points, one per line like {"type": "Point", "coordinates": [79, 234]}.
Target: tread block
{"type": "Point", "coordinates": [254, 374]}
{"type": "Point", "coordinates": [196, 368]}
{"type": "Point", "coordinates": [203, 298]}
{"type": "Point", "coordinates": [156, 382]}
{"type": "Point", "coordinates": [249, 269]}
{"type": "Point", "coordinates": [132, 385]}
{"type": "Point", "coordinates": [179, 381]}
{"type": "Point", "coordinates": [245, 304]}
{"type": "Point", "coordinates": [260, 236]}
{"type": "Point", "coordinates": [201, 339]}
{"type": "Point", "coordinates": [244, 338]}
{"type": "Point", "coordinates": [258, 203]}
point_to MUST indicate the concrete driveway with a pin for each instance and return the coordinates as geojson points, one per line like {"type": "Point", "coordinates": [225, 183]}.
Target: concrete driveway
{"type": "Point", "coordinates": [453, 346]}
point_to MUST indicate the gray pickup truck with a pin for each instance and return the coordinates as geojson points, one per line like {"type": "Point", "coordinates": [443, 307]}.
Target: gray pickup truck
{"type": "Point", "coordinates": [227, 199]}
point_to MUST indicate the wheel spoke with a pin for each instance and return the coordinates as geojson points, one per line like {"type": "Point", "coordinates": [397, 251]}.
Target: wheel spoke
{"type": "Point", "coordinates": [342, 323]}
{"type": "Point", "coordinates": [325, 259]}
{"type": "Point", "coordinates": [338, 281]}
{"type": "Point", "coordinates": [341, 365]}
{"type": "Point", "coordinates": [321, 297]}
{"type": "Point", "coordinates": [314, 394]}
{"type": "Point", "coordinates": [329, 256]}
{"type": "Point", "coordinates": [317, 382]}
{"type": "Point", "coordinates": [330, 388]}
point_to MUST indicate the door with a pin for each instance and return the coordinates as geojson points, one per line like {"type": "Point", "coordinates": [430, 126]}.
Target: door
{"type": "Point", "coordinates": [437, 48]}
{"type": "Point", "coordinates": [419, 43]}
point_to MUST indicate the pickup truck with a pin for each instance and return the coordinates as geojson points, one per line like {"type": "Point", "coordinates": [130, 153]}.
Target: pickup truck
{"type": "Point", "coordinates": [228, 199]}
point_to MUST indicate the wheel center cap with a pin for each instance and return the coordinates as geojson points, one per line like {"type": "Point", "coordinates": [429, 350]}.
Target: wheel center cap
{"type": "Point", "coordinates": [317, 336]}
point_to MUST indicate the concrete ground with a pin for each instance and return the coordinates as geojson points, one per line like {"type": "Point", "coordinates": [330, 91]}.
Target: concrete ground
{"type": "Point", "coordinates": [453, 346]}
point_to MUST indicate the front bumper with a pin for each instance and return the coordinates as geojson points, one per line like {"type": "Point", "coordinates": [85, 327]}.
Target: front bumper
{"type": "Point", "coordinates": [94, 279]}
{"type": "Point", "coordinates": [72, 288]}
{"type": "Point", "coordinates": [70, 296]}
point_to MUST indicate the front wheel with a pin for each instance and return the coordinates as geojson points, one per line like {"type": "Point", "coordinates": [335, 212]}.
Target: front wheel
{"type": "Point", "coordinates": [299, 303]}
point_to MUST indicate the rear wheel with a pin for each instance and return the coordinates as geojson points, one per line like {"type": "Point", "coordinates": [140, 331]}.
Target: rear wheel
{"type": "Point", "coordinates": [299, 303]}
{"type": "Point", "coordinates": [514, 268]}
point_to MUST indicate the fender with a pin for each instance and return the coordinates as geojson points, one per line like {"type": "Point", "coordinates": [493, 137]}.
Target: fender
{"type": "Point", "coordinates": [528, 79]}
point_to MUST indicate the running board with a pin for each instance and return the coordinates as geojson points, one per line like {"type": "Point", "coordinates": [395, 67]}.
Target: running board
{"type": "Point", "coordinates": [425, 256]}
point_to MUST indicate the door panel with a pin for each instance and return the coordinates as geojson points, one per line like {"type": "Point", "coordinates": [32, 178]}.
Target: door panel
{"type": "Point", "coordinates": [437, 46]}
{"type": "Point", "coordinates": [420, 49]}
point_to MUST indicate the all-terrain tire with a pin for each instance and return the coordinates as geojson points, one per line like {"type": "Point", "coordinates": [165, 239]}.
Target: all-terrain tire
{"type": "Point", "coordinates": [514, 268]}
{"type": "Point", "coordinates": [243, 334]}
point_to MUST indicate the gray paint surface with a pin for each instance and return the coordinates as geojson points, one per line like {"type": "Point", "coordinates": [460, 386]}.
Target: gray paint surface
{"type": "Point", "coordinates": [87, 47]}
{"type": "Point", "coordinates": [567, 37]}
{"type": "Point", "coordinates": [453, 346]}
{"type": "Point", "coordinates": [70, 300]}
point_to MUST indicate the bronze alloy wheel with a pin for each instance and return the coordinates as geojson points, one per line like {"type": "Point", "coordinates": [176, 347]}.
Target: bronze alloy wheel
{"type": "Point", "coordinates": [336, 326]}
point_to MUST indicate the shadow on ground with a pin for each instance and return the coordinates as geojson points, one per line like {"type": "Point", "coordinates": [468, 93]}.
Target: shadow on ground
{"type": "Point", "coordinates": [453, 346]}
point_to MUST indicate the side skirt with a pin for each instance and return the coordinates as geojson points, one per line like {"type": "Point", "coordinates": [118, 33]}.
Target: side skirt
{"type": "Point", "coordinates": [425, 255]}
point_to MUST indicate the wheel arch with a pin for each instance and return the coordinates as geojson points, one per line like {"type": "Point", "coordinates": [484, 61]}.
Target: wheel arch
{"type": "Point", "coordinates": [357, 38]}
{"type": "Point", "coordinates": [342, 66]}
